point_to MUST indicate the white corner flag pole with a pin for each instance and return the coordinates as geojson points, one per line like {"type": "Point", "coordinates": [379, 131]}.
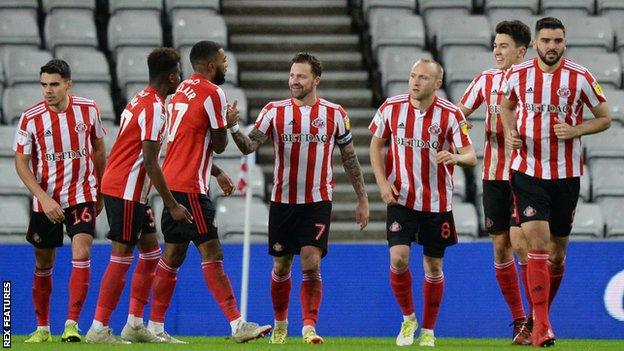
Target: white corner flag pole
{"type": "Point", "coordinates": [246, 240]}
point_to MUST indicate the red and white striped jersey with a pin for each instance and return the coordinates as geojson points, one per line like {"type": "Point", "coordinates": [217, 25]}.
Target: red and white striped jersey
{"type": "Point", "coordinates": [487, 88]}
{"type": "Point", "coordinates": [303, 143]}
{"type": "Point", "coordinates": [61, 149]}
{"type": "Point", "coordinates": [142, 120]}
{"type": "Point", "coordinates": [541, 98]}
{"type": "Point", "coordinates": [197, 107]}
{"type": "Point", "coordinates": [423, 184]}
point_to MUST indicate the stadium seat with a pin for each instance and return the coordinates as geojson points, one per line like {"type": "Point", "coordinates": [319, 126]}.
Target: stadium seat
{"type": "Point", "coordinates": [22, 66]}
{"type": "Point", "coordinates": [427, 5]}
{"type": "Point", "coordinates": [435, 13]}
{"type": "Point", "coordinates": [477, 135]}
{"type": "Point", "coordinates": [238, 94]}
{"type": "Point", "coordinates": [231, 76]}
{"type": "Point", "coordinates": [14, 215]}
{"type": "Point", "coordinates": [466, 68]}
{"type": "Point", "coordinates": [19, 4]}
{"type": "Point", "coordinates": [109, 139]}
{"type": "Point", "coordinates": [466, 221]}
{"type": "Point", "coordinates": [155, 201]}
{"type": "Point", "coordinates": [191, 26]}
{"type": "Point", "coordinates": [605, 5]}
{"type": "Point", "coordinates": [7, 137]}
{"type": "Point", "coordinates": [459, 184]}
{"type": "Point", "coordinates": [51, 5]}
{"type": "Point", "coordinates": [494, 17]}
{"type": "Point", "coordinates": [465, 31]}
{"type": "Point", "coordinates": [603, 145]}
{"type": "Point", "coordinates": [612, 212]}
{"type": "Point", "coordinates": [528, 7]}
{"type": "Point", "coordinates": [369, 6]}
{"type": "Point", "coordinates": [132, 66]}
{"type": "Point", "coordinates": [16, 99]}
{"type": "Point", "coordinates": [19, 27]}
{"type": "Point", "coordinates": [606, 67]}
{"type": "Point", "coordinates": [599, 37]}
{"type": "Point", "coordinates": [606, 176]}
{"type": "Point", "coordinates": [585, 189]}
{"type": "Point", "coordinates": [395, 63]}
{"type": "Point", "coordinates": [588, 222]}
{"type": "Point", "coordinates": [133, 88]}
{"type": "Point", "coordinates": [230, 214]}
{"type": "Point", "coordinates": [115, 6]}
{"type": "Point", "coordinates": [81, 32]}
{"type": "Point", "coordinates": [10, 183]}
{"type": "Point", "coordinates": [101, 225]}
{"type": "Point", "coordinates": [100, 93]}
{"type": "Point", "coordinates": [87, 65]}
{"type": "Point", "coordinates": [127, 28]}
{"type": "Point", "coordinates": [612, 9]}
{"type": "Point", "coordinates": [569, 8]}
{"type": "Point", "coordinates": [231, 167]}
{"type": "Point", "coordinates": [174, 5]}
{"type": "Point", "coordinates": [396, 27]}
{"type": "Point", "coordinates": [615, 100]}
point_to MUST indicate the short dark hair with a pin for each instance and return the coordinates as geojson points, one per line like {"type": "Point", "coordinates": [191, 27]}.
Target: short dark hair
{"type": "Point", "coordinates": [162, 61]}
{"type": "Point", "coordinates": [549, 23]}
{"type": "Point", "coordinates": [204, 50]}
{"type": "Point", "coordinates": [518, 31]}
{"type": "Point", "coordinates": [57, 66]}
{"type": "Point", "coordinates": [304, 57]}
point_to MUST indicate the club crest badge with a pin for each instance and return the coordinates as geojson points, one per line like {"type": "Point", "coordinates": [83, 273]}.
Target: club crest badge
{"type": "Point", "coordinates": [318, 123]}
{"type": "Point", "coordinates": [529, 211]}
{"type": "Point", "coordinates": [395, 227]}
{"type": "Point", "coordinates": [435, 129]}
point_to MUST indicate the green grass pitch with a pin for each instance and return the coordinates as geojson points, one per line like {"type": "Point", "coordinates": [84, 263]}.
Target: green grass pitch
{"type": "Point", "coordinates": [333, 344]}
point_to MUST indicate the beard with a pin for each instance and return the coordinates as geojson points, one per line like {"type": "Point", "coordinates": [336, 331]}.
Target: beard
{"type": "Point", "coordinates": [301, 94]}
{"type": "Point", "coordinates": [543, 56]}
{"type": "Point", "coordinates": [219, 78]}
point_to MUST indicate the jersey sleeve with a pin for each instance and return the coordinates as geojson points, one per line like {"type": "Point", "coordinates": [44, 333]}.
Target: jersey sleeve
{"type": "Point", "coordinates": [459, 130]}
{"type": "Point", "coordinates": [343, 130]}
{"type": "Point", "coordinates": [510, 86]}
{"type": "Point", "coordinates": [24, 136]}
{"type": "Point", "coordinates": [591, 92]}
{"type": "Point", "coordinates": [152, 126]}
{"type": "Point", "coordinates": [473, 96]}
{"type": "Point", "coordinates": [380, 126]}
{"type": "Point", "coordinates": [264, 122]}
{"type": "Point", "coordinates": [98, 131]}
{"type": "Point", "coordinates": [215, 106]}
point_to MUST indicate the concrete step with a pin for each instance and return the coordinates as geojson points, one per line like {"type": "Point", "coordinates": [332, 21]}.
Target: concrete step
{"type": "Point", "coordinates": [345, 97]}
{"type": "Point", "coordinates": [343, 192]}
{"type": "Point", "coordinates": [293, 42]}
{"type": "Point", "coordinates": [284, 7]}
{"type": "Point", "coordinates": [340, 176]}
{"type": "Point", "coordinates": [280, 61]}
{"type": "Point", "coordinates": [279, 79]}
{"type": "Point", "coordinates": [288, 24]}
{"type": "Point", "coordinates": [348, 231]}
{"type": "Point", "coordinates": [361, 136]}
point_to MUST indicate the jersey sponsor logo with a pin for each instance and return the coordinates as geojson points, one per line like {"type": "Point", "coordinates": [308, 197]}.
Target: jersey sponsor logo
{"type": "Point", "coordinates": [304, 138]}
{"type": "Point", "coordinates": [564, 92]}
{"type": "Point", "coordinates": [277, 247]}
{"type": "Point", "coordinates": [395, 227]}
{"type": "Point", "coordinates": [66, 155]}
{"type": "Point", "coordinates": [435, 129]}
{"type": "Point", "coordinates": [547, 108]}
{"type": "Point", "coordinates": [413, 142]}
{"type": "Point", "coordinates": [22, 137]}
{"type": "Point", "coordinates": [80, 128]}
{"type": "Point", "coordinates": [318, 123]}
{"type": "Point", "coordinates": [529, 211]}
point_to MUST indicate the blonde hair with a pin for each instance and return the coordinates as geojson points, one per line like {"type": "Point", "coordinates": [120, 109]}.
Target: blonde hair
{"type": "Point", "coordinates": [436, 63]}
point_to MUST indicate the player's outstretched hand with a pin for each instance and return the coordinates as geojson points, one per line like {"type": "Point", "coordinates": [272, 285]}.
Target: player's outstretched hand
{"type": "Point", "coordinates": [512, 140]}
{"type": "Point", "coordinates": [362, 214]}
{"type": "Point", "coordinates": [179, 213]}
{"type": "Point", "coordinates": [232, 115]}
{"type": "Point", "coordinates": [446, 157]}
{"type": "Point", "coordinates": [225, 183]}
{"type": "Point", "coordinates": [564, 131]}
{"type": "Point", "coordinates": [52, 209]}
{"type": "Point", "coordinates": [389, 193]}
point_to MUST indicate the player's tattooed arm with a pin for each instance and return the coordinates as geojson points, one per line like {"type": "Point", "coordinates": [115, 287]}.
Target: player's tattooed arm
{"type": "Point", "coordinates": [249, 143]}
{"type": "Point", "coordinates": [352, 168]}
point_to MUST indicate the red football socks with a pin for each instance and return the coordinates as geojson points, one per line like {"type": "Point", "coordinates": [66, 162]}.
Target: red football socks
{"type": "Point", "coordinates": [507, 278]}
{"type": "Point", "coordinates": [401, 283]}
{"type": "Point", "coordinates": [539, 284]}
{"type": "Point", "coordinates": [164, 284]}
{"type": "Point", "coordinates": [311, 295]}
{"type": "Point", "coordinates": [433, 289]}
{"type": "Point", "coordinates": [527, 291]}
{"type": "Point", "coordinates": [280, 295]}
{"type": "Point", "coordinates": [142, 280]}
{"type": "Point", "coordinates": [556, 275]}
{"type": "Point", "coordinates": [78, 287]}
{"type": "Point", "coordinates": [221, 289]}
{"type": "Point", "coordinates": [112, 286]}
{"type": "Point", "coordinates": [42, 288]}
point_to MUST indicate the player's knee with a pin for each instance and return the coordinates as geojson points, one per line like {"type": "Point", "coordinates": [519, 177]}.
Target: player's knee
{"type": "Point", "coordinates": [174, 258]}
{"type": "Point", "coordinates": [212, 256]}
{"type": "Point", "coordinates": [399, 262]}
{"type": "Point", "coordinates": [556, 260]}
{"type": "Point", "coordinates": [503, 254]}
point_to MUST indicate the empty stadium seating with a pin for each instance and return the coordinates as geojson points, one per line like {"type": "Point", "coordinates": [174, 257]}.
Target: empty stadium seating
{"type": "Point", "coordinates": [230, 211]}
{"type": "Point", "coordinates": [69, 27]}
